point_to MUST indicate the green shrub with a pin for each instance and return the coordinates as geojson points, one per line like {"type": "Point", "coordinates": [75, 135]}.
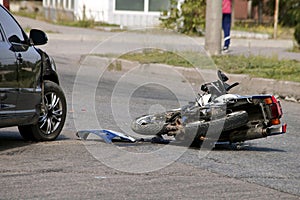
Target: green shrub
{"type": "Point", "coordinates": [170, 17]}
{"type": "Point", "coordinates": [297, 34]}
{"type": "Point", "coordinates": [193, 12]}
{"type": "Point", "coordinates": [189, 19]}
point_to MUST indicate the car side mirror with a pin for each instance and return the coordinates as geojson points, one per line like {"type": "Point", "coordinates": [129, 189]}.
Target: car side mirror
{"type": "Point", "coordinates": [38, 37]}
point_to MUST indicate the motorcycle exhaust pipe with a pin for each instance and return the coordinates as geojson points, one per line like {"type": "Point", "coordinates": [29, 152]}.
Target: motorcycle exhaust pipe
{"type": "Point", "coordinates": [256, 133]}
{"type": "Point", "coordinates": [249, 134]}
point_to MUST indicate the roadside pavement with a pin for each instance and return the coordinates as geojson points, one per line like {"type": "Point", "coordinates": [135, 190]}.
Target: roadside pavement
{"type": "Point", "coordinates": [250, 45]}
{"type": "Point", "coordinates": [241, 43]}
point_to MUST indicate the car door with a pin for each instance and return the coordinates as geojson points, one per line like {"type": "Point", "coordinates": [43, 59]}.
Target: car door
{"type": "Point", "coordinates": [25, 92]}
{"type": "Point", "coordinates": [8, 80]}
{"type": "Point", "coordinates": [29, 78]}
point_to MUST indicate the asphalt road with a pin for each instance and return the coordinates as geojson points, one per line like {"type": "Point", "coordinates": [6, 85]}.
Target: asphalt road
{"type": "Point", "coordinates": [97, 97]}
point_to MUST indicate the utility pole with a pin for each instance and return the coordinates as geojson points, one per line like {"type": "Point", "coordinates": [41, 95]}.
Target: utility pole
{"type": "Point", "coordinates": [213, 30]}
{"type": "Point", "coordinates": [276, 13]}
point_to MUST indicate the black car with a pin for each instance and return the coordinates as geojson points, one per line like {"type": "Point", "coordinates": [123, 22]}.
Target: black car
{"type": "Point", "coordinates": [30, 95]}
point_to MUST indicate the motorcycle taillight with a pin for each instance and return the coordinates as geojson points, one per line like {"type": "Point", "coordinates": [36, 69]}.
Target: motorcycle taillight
{"type": "Point", "coordinates": [275, 110]}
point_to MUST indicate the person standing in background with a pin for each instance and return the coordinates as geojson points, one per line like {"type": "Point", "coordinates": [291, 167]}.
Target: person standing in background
{"type": "Point", "coordinates": [226, 23]}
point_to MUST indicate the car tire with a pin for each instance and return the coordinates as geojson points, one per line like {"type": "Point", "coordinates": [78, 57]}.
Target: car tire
{"type": "Point", "coordinates": [52, 117]}
{"type": "Point", "coordinates": [26, 133]}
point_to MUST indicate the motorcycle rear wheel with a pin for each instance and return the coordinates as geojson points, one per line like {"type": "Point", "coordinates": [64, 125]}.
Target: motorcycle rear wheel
{"type": "Point", "coordinates": [199, 130]}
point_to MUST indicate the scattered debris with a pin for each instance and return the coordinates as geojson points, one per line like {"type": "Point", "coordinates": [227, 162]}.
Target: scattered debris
{"type": "Point", "coordinates": [106, 135]}
{"type": "Point", "coordinates": [292, 99]}
{"type": "Point", "coordinates": [109, 135]}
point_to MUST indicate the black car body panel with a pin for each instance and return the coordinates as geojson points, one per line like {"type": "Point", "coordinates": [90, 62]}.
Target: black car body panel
{"type": "Point", "coordinates": [23, 67]}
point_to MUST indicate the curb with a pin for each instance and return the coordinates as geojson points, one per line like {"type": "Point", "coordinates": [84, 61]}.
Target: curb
{"type": "Point", "coordinates": [286, 90]}
{"type": "Point", "coordinates": [252, 35]}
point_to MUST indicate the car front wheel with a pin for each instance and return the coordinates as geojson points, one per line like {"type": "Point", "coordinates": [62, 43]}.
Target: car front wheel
{"type": "Point", "coordinates": [52, 116]}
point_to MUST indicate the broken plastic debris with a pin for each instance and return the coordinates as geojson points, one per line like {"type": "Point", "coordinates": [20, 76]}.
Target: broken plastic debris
{"type": "Point", "coordinates": [106, 135]}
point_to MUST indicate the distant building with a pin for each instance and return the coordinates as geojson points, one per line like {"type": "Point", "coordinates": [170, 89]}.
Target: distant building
{"type": "Point", "coordinates": [245, 10]}
{"type": "Point", "coordinates": [122, 12]}
{"type": "Point", "coordinates": [242, 9]}
{"type": "Point", "coordinates": [137, 13]}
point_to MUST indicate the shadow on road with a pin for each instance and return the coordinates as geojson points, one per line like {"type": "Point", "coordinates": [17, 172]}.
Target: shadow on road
{"type": "Point", "coordinates": [263, 149]}
{"type": "Point", "coordinates": [11, 140]}
{"type": "Point", "coordinates": [247, 147]}
{"type": "Point", "coordinates": [225, 147]}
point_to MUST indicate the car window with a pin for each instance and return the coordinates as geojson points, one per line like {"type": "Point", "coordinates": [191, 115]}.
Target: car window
{"type": "Point", "coordinates": [11, 28]}
{"type": "Point", "coordinates": [1, 36]}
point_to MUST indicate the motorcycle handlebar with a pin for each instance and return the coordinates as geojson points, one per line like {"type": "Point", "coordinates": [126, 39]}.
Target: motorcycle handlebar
{"type": "Point", "coordinates": [205, 87]}
{"type": "Point", "coordinates": [231, 86]}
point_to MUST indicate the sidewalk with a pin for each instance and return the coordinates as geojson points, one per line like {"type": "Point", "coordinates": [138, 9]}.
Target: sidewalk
{"type": "Point", "coordinates": [268, 47]}
{"type": "Point", "coordinates": [239, 46]}
{"type": "Point", "coordinates": [246, 46]}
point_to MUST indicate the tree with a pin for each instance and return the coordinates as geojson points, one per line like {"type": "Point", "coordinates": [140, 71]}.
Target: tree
{"type": "Point", "coordinates": [297, 34]}
{"type": "Point", "coordinates": [260, 6]}
{"type": "Point", "coordinates": [189, 19]}
{"type": "Point", "coordinates": [289, 14]}
{"type": "Point", "coordinates": [193, 13]}
{"type": "Point", "coordinates": [170, 18]}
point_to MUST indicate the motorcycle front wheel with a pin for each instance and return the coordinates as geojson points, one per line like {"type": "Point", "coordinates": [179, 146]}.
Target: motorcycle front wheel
{"type": "Point", "coordinates": [149, 124]}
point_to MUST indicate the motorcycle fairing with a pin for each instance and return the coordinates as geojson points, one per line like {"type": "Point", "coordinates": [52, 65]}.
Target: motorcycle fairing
{"type": "Point", "coordinates": [106, 135]}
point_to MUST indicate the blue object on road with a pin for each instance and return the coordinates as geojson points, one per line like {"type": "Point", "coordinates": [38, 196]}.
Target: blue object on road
{"type": "Point", "coordinates": [106, 135]}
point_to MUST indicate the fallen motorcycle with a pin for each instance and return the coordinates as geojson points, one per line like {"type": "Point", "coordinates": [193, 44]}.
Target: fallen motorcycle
{"type": "Point", "coordinates": [217, 116]}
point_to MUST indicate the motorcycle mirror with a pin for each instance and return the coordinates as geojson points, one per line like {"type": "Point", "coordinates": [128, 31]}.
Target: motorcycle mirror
{"type": "Point", "coordinates": [222, 76]}
{"type": "Point", "coordinates": [204, 88]}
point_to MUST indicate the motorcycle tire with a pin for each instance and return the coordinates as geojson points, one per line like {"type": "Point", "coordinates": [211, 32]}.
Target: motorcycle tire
{"type": "Point", "coordinates": [149, 124]}
{"type": "Point", "coordinates": [200, 129]}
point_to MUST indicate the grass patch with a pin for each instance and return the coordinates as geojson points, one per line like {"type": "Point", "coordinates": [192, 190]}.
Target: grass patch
{"type": "Point", "coordinates": [295, 49]}
{"type": "Point", "coordinates": [88, 23]}
{"type": "Point", "coordinates": [260, 66]}
{"type": "Point", "coordinates": [24, 13]}
{"type": "Point", "coordinates": [183, 59]}
{"type": "Point", "coordinates": [255, 66]}
{"type": "Point", "coordinates": [79, 23]}
{"type": "Point", "coordinates": [157, 56]}
{"type": "Point", "coordinates": [282, 32]}
{"type": "Point", "coordinates": [28, 28]}
{"type": "Point", "coordinates": [62, 20]}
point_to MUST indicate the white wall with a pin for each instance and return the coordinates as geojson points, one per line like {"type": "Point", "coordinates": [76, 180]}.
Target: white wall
{"type": "Point", "coordinates": [97, 10]}
{"type": "Point", "coordinates": [104, 11]}
{"type": "Point", "coordinates": [135, 19]}
{"type": "Point", "coordinates": [132, 18]}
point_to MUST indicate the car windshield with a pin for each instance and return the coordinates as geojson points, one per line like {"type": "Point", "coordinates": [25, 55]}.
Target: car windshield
{"type": "Point", "coordinates": [11, 28]}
